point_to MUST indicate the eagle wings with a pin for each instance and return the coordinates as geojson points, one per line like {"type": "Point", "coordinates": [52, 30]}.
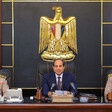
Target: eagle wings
{"type": "Point", "coordinates": [68, 35]}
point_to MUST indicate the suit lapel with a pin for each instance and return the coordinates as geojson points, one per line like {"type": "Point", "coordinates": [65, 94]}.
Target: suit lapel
{"type": "Point", "coordinates": [63, 80]}
{"type": "Point", "coordinates": [53, 80]}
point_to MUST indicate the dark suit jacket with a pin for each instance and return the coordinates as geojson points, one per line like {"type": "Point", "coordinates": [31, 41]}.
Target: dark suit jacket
{"type": "Point", "coordinates": [50, 78]}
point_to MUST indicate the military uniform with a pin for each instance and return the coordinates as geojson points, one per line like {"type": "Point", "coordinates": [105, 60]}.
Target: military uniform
{"type": "Point", "coordinates": [108, 87]}
{"type": "Point", "coordinates": [3, 86]}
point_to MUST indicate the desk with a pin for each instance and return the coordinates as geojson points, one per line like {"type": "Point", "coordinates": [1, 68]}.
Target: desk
{"type": "Point", "coordinates": [56, 107]}
{"type": "Point", "coordinates": [35, 106]}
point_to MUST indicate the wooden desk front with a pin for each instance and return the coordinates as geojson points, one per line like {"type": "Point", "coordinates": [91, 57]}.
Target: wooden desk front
{"type": "Point", "coordinates": [85, 107]}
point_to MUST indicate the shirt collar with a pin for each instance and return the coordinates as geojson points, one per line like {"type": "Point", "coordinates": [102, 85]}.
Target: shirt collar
{"type": "Point", "coordinates": [59, 75]}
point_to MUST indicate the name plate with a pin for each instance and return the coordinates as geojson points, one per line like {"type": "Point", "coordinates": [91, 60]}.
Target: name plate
{"type": "Point", "coordinates": [62, 98]}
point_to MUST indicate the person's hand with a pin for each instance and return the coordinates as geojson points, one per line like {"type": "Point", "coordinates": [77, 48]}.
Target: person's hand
{"type": "Point", "coordinates": [67, 93]}
{"type": "Point", "coordinates": [51, 93]}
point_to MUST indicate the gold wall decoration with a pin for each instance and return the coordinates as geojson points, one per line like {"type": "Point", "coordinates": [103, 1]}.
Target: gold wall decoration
{"type": "Point", "coordinates": [57, 34]}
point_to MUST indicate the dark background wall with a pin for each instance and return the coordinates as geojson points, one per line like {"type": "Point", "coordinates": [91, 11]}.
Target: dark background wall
{"type": "Point", "coordinates": [26, 40]}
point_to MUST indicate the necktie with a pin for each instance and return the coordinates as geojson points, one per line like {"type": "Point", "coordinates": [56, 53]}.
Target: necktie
{"type": "Point", "coordinates": [59, 83]}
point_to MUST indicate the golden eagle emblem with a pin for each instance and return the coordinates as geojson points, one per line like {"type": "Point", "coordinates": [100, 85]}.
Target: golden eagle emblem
{"type": "Point", "coordinates": [57, 34]}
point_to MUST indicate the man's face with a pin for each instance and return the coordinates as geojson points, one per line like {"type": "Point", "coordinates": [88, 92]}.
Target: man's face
{"type": "Point", "coordinates": [58, 67]}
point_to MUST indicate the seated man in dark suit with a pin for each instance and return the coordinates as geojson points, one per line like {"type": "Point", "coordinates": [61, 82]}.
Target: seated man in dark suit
{"type": "Point", "coordinates": [59, 80]}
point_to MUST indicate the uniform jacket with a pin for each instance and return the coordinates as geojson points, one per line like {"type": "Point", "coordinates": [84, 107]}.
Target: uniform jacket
{"type": "Point", "coordinates": [108, 87]}
{"type": "Point", "coordinates": [50, 78]}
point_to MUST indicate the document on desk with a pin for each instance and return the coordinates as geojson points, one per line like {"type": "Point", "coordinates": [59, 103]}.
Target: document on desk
{"type": "Point", "coordinates": [90, 96]}
{"type": "Point", "coordinates": [59, 92]}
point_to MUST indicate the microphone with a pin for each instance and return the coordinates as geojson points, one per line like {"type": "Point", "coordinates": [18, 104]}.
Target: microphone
{"type": "Point", "coordinates": [53, 85]}
{"type": "Point", "coordinates": [72, 84]}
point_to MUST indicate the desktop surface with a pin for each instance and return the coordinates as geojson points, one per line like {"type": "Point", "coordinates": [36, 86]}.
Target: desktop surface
{"type": "Point", "coordinates": [47, 106]}
{"type": "Point", "coordinates": [29, 100]}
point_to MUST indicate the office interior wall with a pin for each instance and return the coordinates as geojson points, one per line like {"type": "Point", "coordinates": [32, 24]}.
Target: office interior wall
{"type": "Point", "coordinates": [25, 25]}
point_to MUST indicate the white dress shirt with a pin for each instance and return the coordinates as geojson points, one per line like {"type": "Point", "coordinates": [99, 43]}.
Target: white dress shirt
{"type": "Point", "coordinates": [61, 76]}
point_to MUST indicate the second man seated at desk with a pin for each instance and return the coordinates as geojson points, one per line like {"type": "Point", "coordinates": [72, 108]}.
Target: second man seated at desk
{"type": "Point", "coordinates": [52, 79]}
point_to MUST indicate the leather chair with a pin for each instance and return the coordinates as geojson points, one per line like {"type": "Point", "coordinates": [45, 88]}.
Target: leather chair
{"type": "Point", "coordinates": [46, 67]}
{"type": "Point", "coordinates": [109, 71]}
{"type": "Point", "coordinates": [7, 73]}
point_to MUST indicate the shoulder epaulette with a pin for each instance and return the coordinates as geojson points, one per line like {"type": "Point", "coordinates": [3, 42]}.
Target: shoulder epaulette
{"type": "Point", "coordinates": [3, 76]}
{"type": "Point", "coordinates": [109, 75]}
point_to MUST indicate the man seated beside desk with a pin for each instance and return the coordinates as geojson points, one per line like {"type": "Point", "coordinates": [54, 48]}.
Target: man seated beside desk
{"type": "Point", "coordinates": [58, 80]}
{"type": "Point", "coordinates": [108, 87]}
